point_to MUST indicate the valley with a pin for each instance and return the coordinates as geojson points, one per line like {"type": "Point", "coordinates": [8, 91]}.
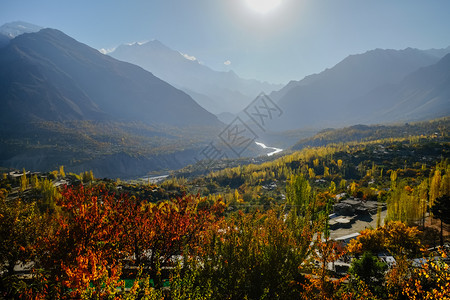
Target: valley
{"type": "Point", "coordinates": [348, 191]}
{"type": "Point", "coordinates": [232, 150]}
{"type": "Point", "coordinates": [115, 118]}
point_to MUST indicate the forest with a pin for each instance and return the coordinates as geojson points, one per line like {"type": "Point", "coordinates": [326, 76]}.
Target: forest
{"type": "Point", "coordinates": [253, 231]}
{"type": "Point", "coordinates": [83, 144]}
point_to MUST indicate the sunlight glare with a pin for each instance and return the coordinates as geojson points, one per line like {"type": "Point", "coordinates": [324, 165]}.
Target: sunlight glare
{"type": "Point", "coordinates": [263, 6]}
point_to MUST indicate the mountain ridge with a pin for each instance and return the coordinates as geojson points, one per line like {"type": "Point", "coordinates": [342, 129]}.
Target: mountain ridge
{"type": "Point", "coordinates": [64, 103]}
{"type": "Point", "coordinates": [84, 80]}
{"type": "Point", "coordinates": [335, 90]}
{"type": "Point", "coordinates": [217, 91]}
{"type": "Point", "coordinates": [11, 30]}
{"type": "Point", "coordinates": [423, 94]}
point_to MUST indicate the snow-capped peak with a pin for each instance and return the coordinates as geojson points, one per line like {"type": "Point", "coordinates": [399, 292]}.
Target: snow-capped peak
{"type": "Point", "coordinates": [14, 29]}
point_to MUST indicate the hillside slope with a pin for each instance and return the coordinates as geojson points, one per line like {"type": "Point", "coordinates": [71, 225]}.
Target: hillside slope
{"type": "Point", "coordinates": [324, 100]}
{"type": "Point", "coordinates": [49, 76]}
{"type": "Point", "coordinates": [64, 103]}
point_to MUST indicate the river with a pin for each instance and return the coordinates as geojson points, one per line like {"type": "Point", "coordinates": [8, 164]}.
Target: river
{"type": "Point", "coordinates": [275, 150]}
{"type": "Point", "coordinates": [154, 179]}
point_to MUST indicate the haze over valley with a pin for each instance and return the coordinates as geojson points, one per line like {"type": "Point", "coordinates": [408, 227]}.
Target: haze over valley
{"type": "Point", "coordinates": [238, 149]}
{"type": "Point", "coordinates": [120, 118]}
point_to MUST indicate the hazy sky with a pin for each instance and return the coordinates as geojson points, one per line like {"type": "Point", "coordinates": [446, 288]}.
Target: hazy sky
{"type": "Point", "coordinates": [297, 38]}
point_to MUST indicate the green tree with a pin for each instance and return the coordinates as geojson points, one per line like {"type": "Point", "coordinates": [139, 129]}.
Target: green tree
{"type": "Point", "coordinates": [371, 271]}
{"type": "Point", "coordinates": [87, 176]}
{"type": "Point", "coordinates": [298, 194]}
{"type": "Point", "coordinates": [435, 186]}
{"type": "Point", "coordinates": [252, 256]}
{"type": "Point", "coordinates": [49, 194]}
{"type": "Point", "coordinates": [441, 210]}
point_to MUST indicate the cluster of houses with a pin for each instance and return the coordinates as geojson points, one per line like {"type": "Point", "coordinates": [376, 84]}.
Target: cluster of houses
{"type": "Point", "coordinates": [347, 211]}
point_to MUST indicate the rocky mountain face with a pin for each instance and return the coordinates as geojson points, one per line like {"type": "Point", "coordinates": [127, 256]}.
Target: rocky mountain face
{"type": "Point", "coordinates": [357, 89]}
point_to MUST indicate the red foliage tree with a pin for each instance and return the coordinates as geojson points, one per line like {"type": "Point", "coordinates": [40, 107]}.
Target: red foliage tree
{"type": "Point", "coordinates": [82, 250]}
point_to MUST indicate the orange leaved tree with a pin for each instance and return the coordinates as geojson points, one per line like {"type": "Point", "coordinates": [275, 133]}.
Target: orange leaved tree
{"type": "Point", "coordinates": [81, 252]}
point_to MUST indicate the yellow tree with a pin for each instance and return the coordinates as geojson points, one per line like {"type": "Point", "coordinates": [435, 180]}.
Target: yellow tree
{"type": "Point", "coordinates": [23, 181]}
{"type": "Point", "coordinates": [353, 186]}
{"type": "Point", "coordinates": [61, 171]}
{"type": "Point", "coordinates": [326, 171]}
{"type": "Point", "coordinates": [237, 196]}
{"type": "Point", "coordinates": [430, 280]}
{"type": "Point", "coordinates": [298, 194]}
{"type": "Point", "coordinates": [393, 178]}
{"type": "Point", "coordinates": [320, 284]}
{"type": "Point", "coordinates": [316, 162]}
{"type": "Point", "coordinates": [422, 195]}
{"type": "Point", "coordinates": [332, 187]}
{"type": "Point", "coordinates": [19, 227]}
{"type": "Point", "coordinates": [34, 181]}
{"type": "Point", "coordinates": [396, 237]}
{"type": "Point", "coordinates": [445, 182]}
{"type": "Point", "coordinates": [435, 186]}
{"type": "Point", "coordinates": [343, 184]}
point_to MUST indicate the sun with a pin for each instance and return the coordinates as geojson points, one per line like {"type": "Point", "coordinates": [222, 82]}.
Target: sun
{"type": "Point", "coordinates": [262, 6]}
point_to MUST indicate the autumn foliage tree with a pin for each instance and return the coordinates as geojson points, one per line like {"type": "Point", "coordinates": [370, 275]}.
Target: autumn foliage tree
{"type": "Point", "coordinates": [19, 228]}
{"type": "Point", "coordinates": [260, 254]}
{"type": "Point", "coordinates": [174, 226]}
{"type": "Point", "coordinates": [400, 241]}
{"type": "Point", "coordinates": [243, 240]}
{"type": "Point", "coordinates": [81, 250]}
{"type": "Point", "coordinates": [430, 279]}
{"type": "Point", "coordinates": [395, 237]}
{"type": "Point", "coordinates": [320, 283]}
{"type": "Point", "coordinates": [96, 232]}
{"type": "Point", "coordinates": [252, 256]}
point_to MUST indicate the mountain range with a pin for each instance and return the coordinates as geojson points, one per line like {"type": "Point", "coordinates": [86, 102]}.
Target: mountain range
{"type": "Point", "coordinates": [423, 94]}
{"type": "Point", "coordinates": [49, 76]}
{"type": "Point", "coordinates": [376, 86]}
{"type": "Point", "coordinates": [65, 103]}
{"type": "Point", "coordinates": [216, 91]}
